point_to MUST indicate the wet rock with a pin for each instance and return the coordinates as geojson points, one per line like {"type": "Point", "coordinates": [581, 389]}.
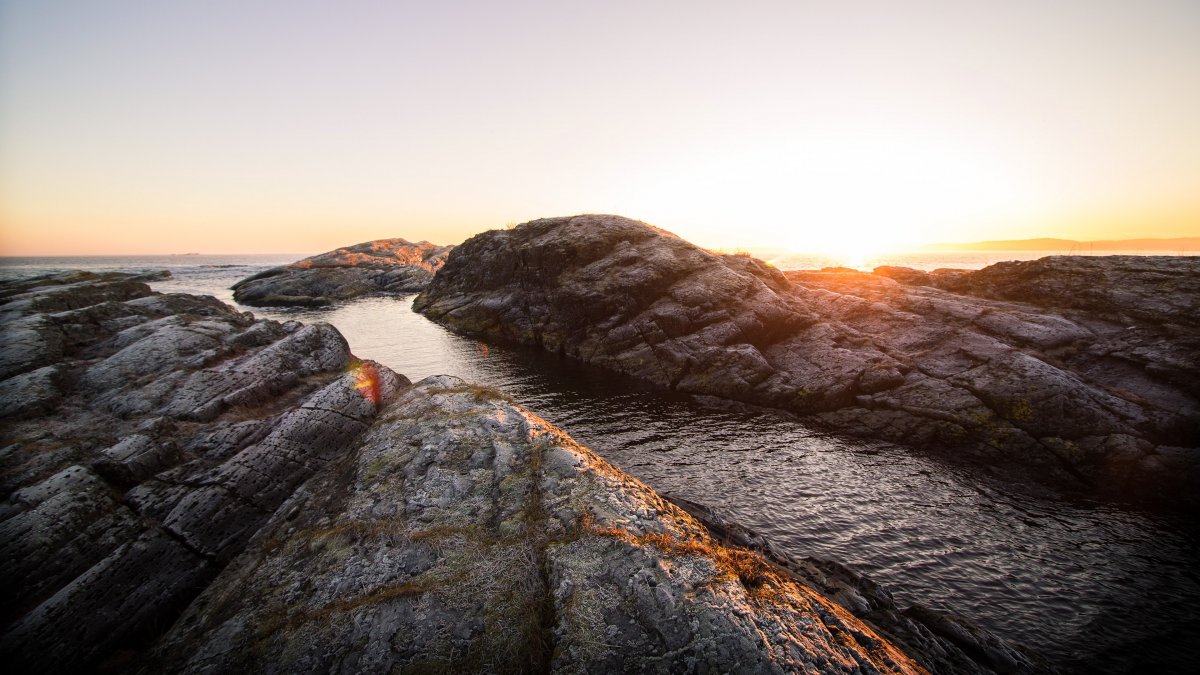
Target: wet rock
{"type": "Point", "coordinates": [375, 267]}
{"type": "Point", "coordinates": [146, 438]}
{"type": "Point", "coordinates": [980, 379]}
{"type": "Point", "coordinates": [465, 534]}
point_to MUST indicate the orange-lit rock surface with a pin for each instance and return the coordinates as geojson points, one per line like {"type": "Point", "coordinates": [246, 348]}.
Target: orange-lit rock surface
{"type": "Point", "coordinates": [372, 268]}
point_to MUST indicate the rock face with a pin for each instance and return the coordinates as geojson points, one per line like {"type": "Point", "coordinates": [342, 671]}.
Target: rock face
{"type": "Point", "coordinates": [145, 439]}
{"type": "Point", "coordinates": [1076, 397]}
{"type": "Point", "coordinates": [371, 268]}
{"type": "Point", "coordinates": [464, 534]}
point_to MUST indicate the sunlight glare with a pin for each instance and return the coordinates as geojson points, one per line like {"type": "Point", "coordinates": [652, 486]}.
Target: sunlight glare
{"type": "Point", "coordinates": [847, 196]}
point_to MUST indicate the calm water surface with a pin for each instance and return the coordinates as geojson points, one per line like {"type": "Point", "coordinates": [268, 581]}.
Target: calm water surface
{"type": "Point", "coordinates": [1094, 587]}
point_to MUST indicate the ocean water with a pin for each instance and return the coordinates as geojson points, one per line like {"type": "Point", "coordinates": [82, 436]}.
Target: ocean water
{"type": "Point", "coordinates": [1095, 587]}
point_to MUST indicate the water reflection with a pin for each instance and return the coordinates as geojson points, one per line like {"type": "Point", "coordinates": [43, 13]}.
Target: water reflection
{"type": "Point", "coordinates": [1094, 587]}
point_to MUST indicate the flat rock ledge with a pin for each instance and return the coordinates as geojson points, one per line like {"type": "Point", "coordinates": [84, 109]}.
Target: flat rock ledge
{"type": "Point", "coordinates": [1080, 373]}
{"type": "Point", "coordinates": [380, 267]}
{"type": "Point", "coordinates": [198, 491]}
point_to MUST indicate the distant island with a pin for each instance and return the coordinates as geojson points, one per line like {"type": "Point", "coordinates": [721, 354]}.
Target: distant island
{"type": "Point", "coordinates": [1176, 245]}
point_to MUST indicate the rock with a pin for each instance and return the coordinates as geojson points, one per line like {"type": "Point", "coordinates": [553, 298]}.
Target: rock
{"type": "Point", "coordinates": [375, 267]}
{"type": "Point", "coordinates": [905, 275]}
{"type": "Point", "coordinates": [465, 534]}
{"type": "Point", "coordinates": [206, 492]}
{"type": "Point", "coordinates": [1037, 392]}
{"type": "Point", "coordinates": [147, 437]}
{"type": "Point", "coordinates": [1151, 289]}
{"type": "Point", "coordinates": [36, 392]}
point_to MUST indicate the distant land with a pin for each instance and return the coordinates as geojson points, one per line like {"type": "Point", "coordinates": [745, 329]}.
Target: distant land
{"type": "Point", "coordinates": [1176, 245]}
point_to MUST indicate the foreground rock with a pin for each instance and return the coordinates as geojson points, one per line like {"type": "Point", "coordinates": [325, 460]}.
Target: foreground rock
{"type": "Point", "coordinates": [464, 534]}
{"type": "Point", "coordinates": [145, 439]}
{"type": "Point", "coordinates": [1105, 400]}
{"type": "Point", "coordinates": [371, 268]}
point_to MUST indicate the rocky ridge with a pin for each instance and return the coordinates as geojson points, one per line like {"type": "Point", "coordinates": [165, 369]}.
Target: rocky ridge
{"type": "Point", "coordinates": [1100, 394]}
{"type": "Point", "coordinates": [371, 268]}
{"type": "Point", "coordinates": [196, 490]}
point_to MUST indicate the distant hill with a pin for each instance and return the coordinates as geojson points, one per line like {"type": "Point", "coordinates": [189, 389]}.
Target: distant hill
{"type": "Point", "coordinates": [1176, 245]}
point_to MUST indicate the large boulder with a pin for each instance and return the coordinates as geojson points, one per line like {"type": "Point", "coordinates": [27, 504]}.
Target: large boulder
{"type": "Point", "coordinates": [377, 267]}
{"type": "Point", "coordinates": [1079, 401]}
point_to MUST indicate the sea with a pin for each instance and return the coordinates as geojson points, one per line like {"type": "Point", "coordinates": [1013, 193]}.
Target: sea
{"type": "Point", "coordinates": [1092, 586]}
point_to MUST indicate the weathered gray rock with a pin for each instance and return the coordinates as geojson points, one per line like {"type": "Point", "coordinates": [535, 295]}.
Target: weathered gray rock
{"type": "Point", "coordinates": [1072, 398]}
{"type": "Point", "coordinates": [464, 534]}
{"type": "Point", "coordinates": [371, 268]}
{"type": "Point", "coordinates": [147, 437]}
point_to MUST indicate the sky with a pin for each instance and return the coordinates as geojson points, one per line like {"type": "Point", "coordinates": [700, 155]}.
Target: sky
{"type": "Point", "coordinates": [132, 127]}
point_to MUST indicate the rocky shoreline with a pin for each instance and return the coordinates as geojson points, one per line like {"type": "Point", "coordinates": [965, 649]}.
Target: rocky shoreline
{"type": "Point", "coordinates": [380, 267]}
{"type": "Point", "coordinates": [190, 489]}
{"type": "Point", "coordinates": [1077, 372]}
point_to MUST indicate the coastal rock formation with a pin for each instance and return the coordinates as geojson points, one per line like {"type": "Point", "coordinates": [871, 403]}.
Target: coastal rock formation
{"type": "Point", "coordinates": [193, 490]}
{"type": "Point", "coordinates": [465, 534]}
{"type": "Point", "coordinates": [1158, 290]}
{"type": "Point", "coordinates": [1075, 397]}
{"type": "Point", "coordinates": [370, 268]}
{"type": "Point", "coordinates": [145, 438]}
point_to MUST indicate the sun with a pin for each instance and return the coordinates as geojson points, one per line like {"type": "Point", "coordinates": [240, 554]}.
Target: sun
{"type": "Point", "coordinates": [847, 244]}
{"type": "Point", "coordinates": [847, 196]}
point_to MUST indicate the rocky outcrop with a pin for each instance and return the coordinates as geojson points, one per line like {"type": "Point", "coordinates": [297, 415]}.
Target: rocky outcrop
{"type": "Point", "coordinates": [1070, 397]}
{"type": "Point", "coordinates": [145, 438]}
{"type": "Point", "coordinates": [465, 534]}
{"type": "Point", "coordinates": [197, 491]}
{"type": "Point", "coordinates": [375, 267]}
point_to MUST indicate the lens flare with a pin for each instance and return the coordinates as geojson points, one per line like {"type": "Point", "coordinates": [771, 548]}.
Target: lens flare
{"type": "Point", "coordinates": [366, 380]}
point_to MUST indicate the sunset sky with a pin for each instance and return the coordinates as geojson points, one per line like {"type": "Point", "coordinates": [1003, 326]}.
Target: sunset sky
{"type": "Point", "coordinates": [255, 127]}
